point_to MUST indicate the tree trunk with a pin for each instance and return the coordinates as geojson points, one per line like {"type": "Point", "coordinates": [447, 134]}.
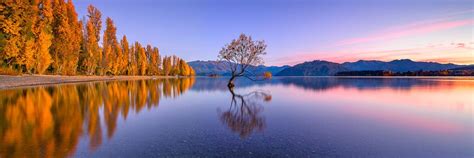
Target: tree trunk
{"type": "Point", "coordinates": [231, 82]}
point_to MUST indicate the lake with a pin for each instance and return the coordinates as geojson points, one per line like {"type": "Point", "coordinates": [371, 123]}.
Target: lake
{"type": "Point", "coordinates": [281, 117]}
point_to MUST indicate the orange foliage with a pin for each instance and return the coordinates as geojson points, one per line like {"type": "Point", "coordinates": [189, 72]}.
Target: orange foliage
{"type": "Point", "coordinates": [48, 121]}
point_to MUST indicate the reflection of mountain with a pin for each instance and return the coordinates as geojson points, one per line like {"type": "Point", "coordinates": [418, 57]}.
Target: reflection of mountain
{"type": "Point", "coordinates": [323, 83]}
{"type": "Point", "coordinates": [48, 121]}
{"type": "Point", "coordinates": [244, 113]}
{"type": "Point", "coordinates": [220, 83]}
{"type": "Point", "coordinates": [316, 83]}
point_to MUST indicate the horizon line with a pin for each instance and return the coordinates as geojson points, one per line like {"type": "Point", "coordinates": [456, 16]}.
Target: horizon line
{"type": "Point", "coordinates": [426, 61]}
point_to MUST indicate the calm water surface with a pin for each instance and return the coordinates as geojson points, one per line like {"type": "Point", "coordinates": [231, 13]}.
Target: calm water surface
{"type": "Point", "coordinates": [287, 116]}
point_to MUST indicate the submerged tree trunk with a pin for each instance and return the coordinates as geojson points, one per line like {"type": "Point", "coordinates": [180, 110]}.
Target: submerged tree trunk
{"type": "Point", "coordinates": [231, 82]}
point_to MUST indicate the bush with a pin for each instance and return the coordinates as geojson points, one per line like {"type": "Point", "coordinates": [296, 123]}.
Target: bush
{"type": "Point", "coordinates": [267, 75]}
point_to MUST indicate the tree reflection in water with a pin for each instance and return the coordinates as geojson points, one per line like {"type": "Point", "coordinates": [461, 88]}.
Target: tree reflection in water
{"type": "Point", "coordinates": [48, 121]}
{"type": "Point", "coordinates": [244, 114]}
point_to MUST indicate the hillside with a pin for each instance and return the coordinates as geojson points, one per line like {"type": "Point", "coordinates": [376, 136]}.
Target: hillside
{"type": "Point", "coordinates": [401, 65]}
{"type": "Point", "coordinates": [326, 68]}
{"type": "Point", "coordinates": [313, 68]}
{"type": "Point", "coordinates": [204, 68]}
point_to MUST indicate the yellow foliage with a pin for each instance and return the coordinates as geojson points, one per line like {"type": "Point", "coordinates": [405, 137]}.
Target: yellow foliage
{"type": "Point", "coordinates": [267, 75]}
{"type": "Point", "coordinates": [42, 35]}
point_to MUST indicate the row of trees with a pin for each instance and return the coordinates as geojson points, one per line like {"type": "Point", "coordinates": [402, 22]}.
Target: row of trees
{"type": "Point", "coordinates": [45, 36]}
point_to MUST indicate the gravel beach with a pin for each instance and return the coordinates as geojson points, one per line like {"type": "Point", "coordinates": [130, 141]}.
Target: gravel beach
{"type": "Point", "coordinates": [7, 82]}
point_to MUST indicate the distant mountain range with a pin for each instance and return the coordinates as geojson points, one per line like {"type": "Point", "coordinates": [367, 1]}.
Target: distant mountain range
{"type": "Point", "coordinates": [402, 65]}
{"type": "Point", "coordinates": [326, 68]}
{"type": "Point", "coordinates": [204, 68]}
{"type": "Point", "coordinates": [313, 68]}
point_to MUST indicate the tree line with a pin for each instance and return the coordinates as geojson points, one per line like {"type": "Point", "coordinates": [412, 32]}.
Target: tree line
{"type": "Point", "coordinates": [407, 73]}
{"type": "Point", "coordinates": [46, 37]}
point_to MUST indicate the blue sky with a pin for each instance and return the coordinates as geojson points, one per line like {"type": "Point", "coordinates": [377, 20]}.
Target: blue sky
{"type": "Point", "coordinates": [297, 31]}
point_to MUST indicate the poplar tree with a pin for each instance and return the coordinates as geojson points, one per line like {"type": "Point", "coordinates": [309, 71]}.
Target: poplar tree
{"type": "Point", "coordinates": [126, 55]}
{"type": "Point", "coordinates": [92, 52]}
{"type": "Point", "coordinates": [166, 65]}
{"type": "Point", "coordinates": [37, 35]}
{"type": "Point", "coordinates": [149, 53]}
{"type": "Point", "coordinates": [75, 40]}
{"type": "Point", "coordinates": [59, 25]}
{"type": "Point", "coordinates": [111, 52]}
{"type": "Point", "coordinates": [175, 65]}
{"type": "Point", "coordinates": [154, 60]}
{"type": "Point", "coordinates": [67, 38]}
{"type": "Point", "coordinates": [43, 34]}
{"type": "Point", "coordinates": [118, 64]}
{"type": "Point", "coordinates": [10, 31]}
{"type": "Point", "coordinates": [133, 61]}
{"type": "Point", "coordinates": [27, 52]}
{"type": "Point", "coordinates": [16, 36]}
{"type": "Point", "coordinates": [141, 59]}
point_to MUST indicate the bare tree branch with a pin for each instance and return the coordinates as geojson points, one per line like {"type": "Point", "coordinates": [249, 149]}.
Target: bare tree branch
{"type": "Point", "coordinates": [242, 53]}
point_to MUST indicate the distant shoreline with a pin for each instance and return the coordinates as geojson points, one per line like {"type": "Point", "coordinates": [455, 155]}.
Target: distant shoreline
{"type": "Point", "coordinates": [9, 82]}
{"type": "Point", "coordinates": [22, 81]}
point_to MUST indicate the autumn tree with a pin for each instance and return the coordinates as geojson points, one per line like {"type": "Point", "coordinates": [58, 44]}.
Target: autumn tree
{"type": "Point", "coordinates": [17, 39]}
{"type": "Point", "coordinates": [148, 53]}
{"type": "Point", "coordinates": [175, 65]}
{"type": "Point", "coordinates": [67, 38]}
{"type": "Point", "coordinates": [110, 52]}
{"type": "Point", "coordinates": [133, 66]}
{"type": "Point", "coordinates": [240, 54]}
{"type": "Point", "coordinates": [157, 59]}
{"type": "Point", "coordinates": [154, 60]}
{"type": "Point", "coordinates": [118, 65]}
{"type": "Point", "coordinates": [267, 75]}
{"type": "Point", "coordinates": [142, 62]}
{"type": "Point", "coordinates": [166, 65]}
{"type": "Point", "coordinates": [26, 35]}
{"type": "Point", "coordinates": [43, 34]}
{"type": "Point", "coordinates": [60, 31]}
{"type": "Point", "coordinates": [27, 53]}
{"type": "Point", "coordinates": [126, 55]}
{"type": "Point", "coordinates": [92, 53]}
{"type": "Point", "coordinates": [10, 37]}
{"type": "Point", "coordinates": [183, 68]}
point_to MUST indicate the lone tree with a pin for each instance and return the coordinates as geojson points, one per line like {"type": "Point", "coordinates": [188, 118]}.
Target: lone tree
{"type": "Point", "coordinates": [241, 54]}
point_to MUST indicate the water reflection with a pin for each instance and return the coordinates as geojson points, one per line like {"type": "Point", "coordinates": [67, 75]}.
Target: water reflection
{"type": "Point", "coordinates": [303, 117]}
{"type": "Point", "coordinates": [326, 83]}
{"type": "Point", "coordinates": [48, 121]}
{"type": "Point", "coordinates": [244, 115]}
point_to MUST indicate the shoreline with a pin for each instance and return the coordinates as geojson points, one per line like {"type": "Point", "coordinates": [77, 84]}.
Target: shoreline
{"type": "Point", "coordinates": [11, 82]}
{"type": "Point", "coordinates": [23, 81]}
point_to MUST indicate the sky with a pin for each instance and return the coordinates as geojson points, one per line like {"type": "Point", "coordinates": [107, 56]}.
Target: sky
{"type": "Point", "coordinates": [300, 30]}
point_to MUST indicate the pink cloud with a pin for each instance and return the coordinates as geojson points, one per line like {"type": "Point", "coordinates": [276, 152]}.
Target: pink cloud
{"type": "Point", "coordinates": [408, 31]}
{"type": "Point", "coordinates": [443, 53]}
{"type": "Point", "coordinates": [459, 52]}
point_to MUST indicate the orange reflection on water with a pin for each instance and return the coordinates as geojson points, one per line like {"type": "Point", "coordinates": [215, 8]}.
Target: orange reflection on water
{"type": "Point", "coordinates": [48, 121]}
